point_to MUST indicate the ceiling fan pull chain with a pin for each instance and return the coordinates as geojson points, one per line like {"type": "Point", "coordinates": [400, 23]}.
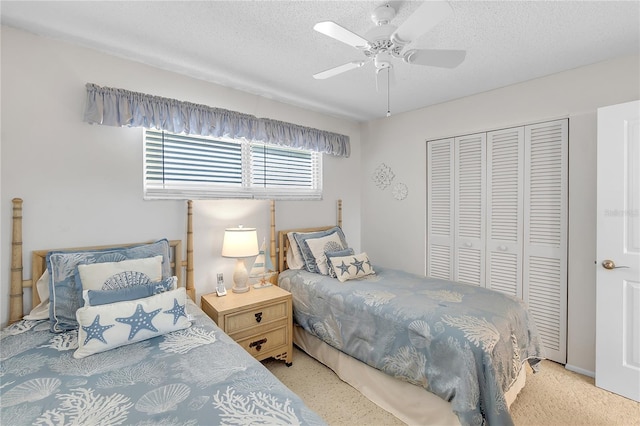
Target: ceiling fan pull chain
{"type": "Point", "coordinates": [388, 90]}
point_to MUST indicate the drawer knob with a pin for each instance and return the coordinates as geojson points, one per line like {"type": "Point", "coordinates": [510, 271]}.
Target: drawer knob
{"type": "Point", "coordinates": [258, 316]}
{"type": "Point", "coordinates": [258, 344]}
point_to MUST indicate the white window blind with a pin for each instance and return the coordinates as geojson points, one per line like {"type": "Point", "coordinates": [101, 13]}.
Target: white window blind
{"type": "Point", "coordinates": [178, 166]}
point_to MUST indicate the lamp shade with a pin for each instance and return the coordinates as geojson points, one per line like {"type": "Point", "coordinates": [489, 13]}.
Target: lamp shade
{"type": "Point", "coordinates": [240, 242]}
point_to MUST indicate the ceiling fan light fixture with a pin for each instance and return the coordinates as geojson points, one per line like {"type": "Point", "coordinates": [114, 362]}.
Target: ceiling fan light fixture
{"type": "Point", "coordinates": [382, 60]}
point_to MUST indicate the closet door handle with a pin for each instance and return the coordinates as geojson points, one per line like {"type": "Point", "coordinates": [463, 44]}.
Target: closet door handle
{"type": "Point", "coordinates": [468, 245]}
{"type": "Point", "coordinates": [502, 248]}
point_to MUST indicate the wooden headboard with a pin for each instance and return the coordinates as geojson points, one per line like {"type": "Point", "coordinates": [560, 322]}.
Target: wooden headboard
{"type": "Point", "coordinates": [38, 262]}
{"type": "Point", "coordinates": [279, 243]}
{"type": "Point", "coordinates": [283, 240]}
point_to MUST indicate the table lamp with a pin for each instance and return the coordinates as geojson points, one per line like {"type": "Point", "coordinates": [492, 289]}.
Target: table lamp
{"type": "Point", "coordinates": [240, 243]}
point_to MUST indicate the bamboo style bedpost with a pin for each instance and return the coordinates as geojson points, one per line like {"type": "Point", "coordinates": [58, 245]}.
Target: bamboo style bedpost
{"type": "Point", "coordinates": [190, 284]}
{"type": "Point", "coordinates": [339, 213]}
{"type": "Point", "coordinates": [15, 298]}
{"type": "Point", "coordinates": [272, 242]}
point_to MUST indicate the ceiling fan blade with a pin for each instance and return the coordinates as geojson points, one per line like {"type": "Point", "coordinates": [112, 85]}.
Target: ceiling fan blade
{"type": "Point", "coordinates": [422, 20]}
{"type": "Point", "coordinates": [338, 70]}
{"type": "Point", "coordinates": [435, 57]}
{"type": "Point", "coordinates": [342, 34]}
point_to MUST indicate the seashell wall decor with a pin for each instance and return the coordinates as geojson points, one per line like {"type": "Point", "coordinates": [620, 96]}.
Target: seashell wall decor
{"type": "Point", "coordinates": [383, 176]}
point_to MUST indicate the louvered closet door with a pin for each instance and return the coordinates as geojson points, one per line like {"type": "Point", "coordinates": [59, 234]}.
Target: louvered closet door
{"type": "Point", "coordinates": [545, 232]}
{"type": "Point", "coordinates": [505, 173]}
{"type": "Point", "coordinates": [469, 228]}
{"type": "Point", "coordinates": [440, 186]}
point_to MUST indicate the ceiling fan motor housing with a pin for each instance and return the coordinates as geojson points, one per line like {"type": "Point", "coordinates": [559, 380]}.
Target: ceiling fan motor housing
{"type": "Point", "coordinates": [382, 15]}
{"type": "Point", "coordinates": [381, 47]}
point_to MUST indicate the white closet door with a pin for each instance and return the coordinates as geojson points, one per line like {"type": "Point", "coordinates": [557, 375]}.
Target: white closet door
{"type": "Point", "coordinates": [440, 208]}
{"type": "Point", "coordinates": [545, 232]}
{"type": "Point", "coordinates": [469, 228]}
{"type": "Point", "coordinates": [505, 173]}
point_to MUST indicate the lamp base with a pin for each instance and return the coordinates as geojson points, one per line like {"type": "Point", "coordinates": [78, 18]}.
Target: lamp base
{"type": "Point", "coordinates": [240, 276]}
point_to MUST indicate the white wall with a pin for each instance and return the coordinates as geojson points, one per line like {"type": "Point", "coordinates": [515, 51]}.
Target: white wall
{"type": "Point", "coordinates": [393, 232]}
{"type": "Point", "coordinates": [82, 184]}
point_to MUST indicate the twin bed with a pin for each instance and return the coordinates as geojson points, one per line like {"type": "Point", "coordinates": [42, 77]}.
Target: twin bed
{"type": "Point", "coordinates": [428, 351]}
{"type": "Point", "coordinates": [180, 374]}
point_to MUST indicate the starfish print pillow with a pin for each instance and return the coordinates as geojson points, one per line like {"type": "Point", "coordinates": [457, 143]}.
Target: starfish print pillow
{"type": "Point", "coordinates": [350, 267]}
{"type": "Point", "coordinates": [109, 326]}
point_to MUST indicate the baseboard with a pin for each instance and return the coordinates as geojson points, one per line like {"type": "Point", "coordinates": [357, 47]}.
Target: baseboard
{"type": "Point", "coordinates": [580, 370]}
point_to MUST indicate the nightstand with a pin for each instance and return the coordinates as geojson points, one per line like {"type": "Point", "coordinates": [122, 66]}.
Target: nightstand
{"type": "Point", "coordinates": [261, 320]}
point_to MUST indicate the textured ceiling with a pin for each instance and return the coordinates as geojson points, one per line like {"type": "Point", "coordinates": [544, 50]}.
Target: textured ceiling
{"type": "Point", "coordinates": [270, 48]}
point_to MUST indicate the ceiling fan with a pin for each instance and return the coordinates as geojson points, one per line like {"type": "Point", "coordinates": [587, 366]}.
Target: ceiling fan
{"type": "Point", "coordinates": [386, 41]}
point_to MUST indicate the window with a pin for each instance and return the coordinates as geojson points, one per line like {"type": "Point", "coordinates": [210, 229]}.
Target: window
{"type": "Point", "coordinates": [178, 166]}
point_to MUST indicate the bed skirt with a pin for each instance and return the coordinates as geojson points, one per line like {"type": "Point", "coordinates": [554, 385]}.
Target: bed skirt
{"type": "Point", "coordinates": [409, 403]}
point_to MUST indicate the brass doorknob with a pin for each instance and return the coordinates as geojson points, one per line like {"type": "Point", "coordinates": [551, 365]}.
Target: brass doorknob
{"type": "Point", "coordinates": [610, 264]}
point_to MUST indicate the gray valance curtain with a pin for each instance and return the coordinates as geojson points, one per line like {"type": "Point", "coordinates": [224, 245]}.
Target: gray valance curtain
{"type": "Point", "coordinates": [119, 107]}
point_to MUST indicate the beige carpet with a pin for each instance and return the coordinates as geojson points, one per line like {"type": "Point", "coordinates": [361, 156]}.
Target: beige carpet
{"type": "Point", "coordinates": [555, 396]}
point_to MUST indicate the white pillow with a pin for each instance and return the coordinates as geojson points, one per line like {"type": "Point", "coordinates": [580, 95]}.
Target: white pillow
{"type": "Point", "coordinates": [319, 246]}
{"type": "Point", "coordinates": [350, 267]}
{"type": "Point", "coordinates": [41, 311]}
{"type": "Point", "coordinates": [294, 256]}
{"type": "Point", "coordinates": [108, 275]}
{"type": "Point", "coordinates": [109, 326]}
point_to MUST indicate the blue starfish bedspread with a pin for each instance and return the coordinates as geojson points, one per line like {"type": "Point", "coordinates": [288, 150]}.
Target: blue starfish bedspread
{"type": "Point", "coordinates": [195, 376]}
{"type": "Point", "coordinates": [464, 343]}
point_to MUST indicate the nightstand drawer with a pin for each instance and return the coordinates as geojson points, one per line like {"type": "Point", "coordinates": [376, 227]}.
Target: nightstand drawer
{"type": "Point", "coordinates": [265, 342]}
{"type": "Point", "coordinates": [254, 317]}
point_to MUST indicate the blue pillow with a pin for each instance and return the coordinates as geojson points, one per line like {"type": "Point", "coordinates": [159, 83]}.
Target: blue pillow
{"type": "Point", "coordinates": [65, 293]}
{"type": "Point", "coordinates": [103, 297]}
{"type": "Point", "coordinates": [338, 253]}
{"type": "Point", "coordinates": [310, 263]}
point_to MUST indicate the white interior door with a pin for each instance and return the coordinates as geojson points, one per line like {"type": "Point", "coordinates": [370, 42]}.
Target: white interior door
{"type": "Point", "coordinates": [544, 268]}
{"type": "Point", "coordinates": [470, 206]}
{"type": "Point", "coordinates": [440, 214]}
{"type": "Point", "coordinates": [505, 187]}
{"type": "Point", "coordinates": [618, 250]}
